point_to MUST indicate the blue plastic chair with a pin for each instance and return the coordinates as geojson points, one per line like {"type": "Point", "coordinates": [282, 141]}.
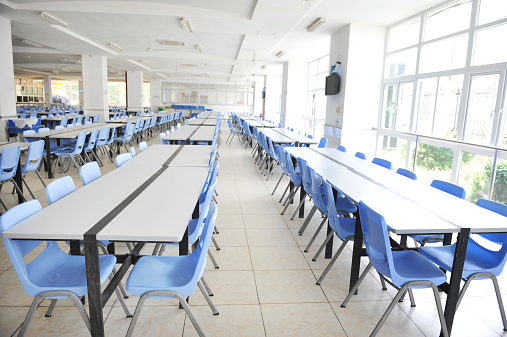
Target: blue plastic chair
{"type": "Point", "coordinates": [480, 262]}
{"type": "Point", "coordinates": [166, 277]}
{"type": "Point", "coordinates": [96, 118]}
{"type": "Point", "coordinates": [143, 146]}
{"type": "Point", "coordinates": [74, 154]}
{"type": "Point", "coordinates": [89, 172]}
{"type": "Point", "coordinates": [33, 159]}
{"type": "Point", "coordinates": [8, 165]}
{"type": "Point", "coordinates": [126, 137]}
{"type": "Point", "coordinates": [323, 142]}
{"type": "Point", "coordinates": [162, 136]}
{"type": "Point", "coordinates": [285, 170]}
{"type": "Point", "coordinates": [405, 268]}
{"type": "Point", "coordinates": [342, 148]}
{"type": "Point", "coordinates": [407, 173]}
{"type": "Point", "coordinates": [122, 159]}
{"type": "Point", "coordinates": [26, 136]}
{"type": "Point", "coordinates": [102, 141]}
{"type": "Point", "coordinates": [361, 155]}
{"type": "Point", "coordinates": [133, 151]}
{"type": "Point", "coordinates": [447, 187]}
{"type": "Point", "coordinates": [382, 162]}
{"type": "Point", "coordinates": [233, 133]}
{"type": "Point", "coordinates": [59, 188]}
{"type": "Point", "coordinates": [88, 150]}
{"type": "Point", "coordinates": [38, 277]}
{"type": "Point", "coordinates": [295, 177]}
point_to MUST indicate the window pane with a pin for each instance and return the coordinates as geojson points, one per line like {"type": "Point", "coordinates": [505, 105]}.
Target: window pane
{"type": "Point", "coordinates": [321, 101]}
{"type": "Point", "coordinates": [231, 99]}
{"type": "Point", "coordinates": [324, 65]}
{"type": "Point", "coordinates": [389, 102]}
{"type": "Point", "coordinates": [487, 47]}
{"type": "Point", "coordinates": [402, 63]}
{"type": "Point", "coordinates": [447, 20]}
{"type": "Point", "coordinates": [318, 133]}
{"type": "Point", "coordinates": [395, 150]}
{"type": "Point", "coordinates": [221, 97]}
{"type": "Point", "coordinates": [450, 89]}
{"type": "Point", "coordinates": [313, 68]}
{"type": "Point", "coordinates": [481, 108]}
{"type": "Point", "coordinates": [433, 162]}
{"type": "Point", "coordinates": [404, 35]}
{"type": "Point", "coordinates": [312, 82]}
{"type": "Point", "coordinates": [491, 10]}
{"type": "Point", "coordinates": [250, 98]}
{"type": "Point", "coordinates": [445, 54]}
{"type": "Point", "coordinates": [475, 171]}
{"type": "Point", "coordinates": [426, 105]}
{"type": "Point", "coordinates": [404, 107]}
{"type": "Point", "coordinates": [321, 81]}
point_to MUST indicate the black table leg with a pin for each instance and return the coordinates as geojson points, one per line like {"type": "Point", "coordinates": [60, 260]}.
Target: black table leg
{"type": "Point", "coordinates": [357, 252]}
{"type": "Point", "coordinates": [94, 290]}
{"type": "Point", "coordinates": [19, 182]}
{"type": "Point", "coordinates": [455, 281]}
{"type": "Point", "coordinates": [47, 167]}
{"type": "Point", "coordinates": [329, 246]}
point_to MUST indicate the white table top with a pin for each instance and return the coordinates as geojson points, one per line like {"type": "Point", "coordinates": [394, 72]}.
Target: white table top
{"type": "Point", "coordinates": [261, 124]}
{"type": "Point", "coordinates": [195, 133]}
{"type": "Point", "coordinates": [22, 145]}
{"type": "Point", "coordinates": [314, 160]}
{"type": "Point", "coordinates": [158, 155]}
{"type": "Point", "coordinates": [276, 137]}
{"type": "Point", "coordinates": [207, 122]}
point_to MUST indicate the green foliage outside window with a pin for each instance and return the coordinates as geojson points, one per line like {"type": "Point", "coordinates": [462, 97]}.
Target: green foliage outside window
{"type": "Point", "coordinates": [482, 182]}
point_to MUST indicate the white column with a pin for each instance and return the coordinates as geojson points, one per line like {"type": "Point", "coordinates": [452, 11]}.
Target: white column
{"type": "Point", "coordinates": [294, 92]}
{"type": "Point", "coordinates": [257, 106]}
{"type": "Point", "coordinates": [155, 94]}
{"type": "Point", "coordinates": [272, 100]}
{"type": "Point", "coordinates": [48, 90]}
{"type": "Point", "coordinates": [80, 86]}
{"type": "Point", "coordinates": [95, 86]}
{"type": "Point", "coordinates": [7, 88]}
{"type": "Point", "coordinates": [134, 90]}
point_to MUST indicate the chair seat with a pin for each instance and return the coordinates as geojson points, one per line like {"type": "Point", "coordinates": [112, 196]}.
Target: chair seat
{"type": "Point", "coordinates": [163, 273]}
{"type": "Point", "coordinates": [421, 238]}
{"type": "Point", "coordinates": [412, 266]}
{"type": "Point", "coordinates": [346, 205]}
{"type": "Point", "coordinates": [477, 258]}
{"type": "Point", "coordinates": [347, 229]}
{"type": "Point", "coordinates": [65, 272]}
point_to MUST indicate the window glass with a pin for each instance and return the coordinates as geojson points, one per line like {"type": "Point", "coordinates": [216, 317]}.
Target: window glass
{"type": "Point", "coordinates": [444, 54]}
{"type": "Point", "coordinates": [404, 35]}
{"type": "Point", "coordinates": [492, 10]}
{"type": "Point", "coordinates": [231, 99]}
{"type": "Point", "coordinates": [313, 68]}
{"type": "Point", "coordinates": [427, 92]}
{"type": "Point", "coordinates": [487, 49]}
{"type": "Point", "coordinates": [447, 20]}
{"type": "Point", "coordinates": [185, 96]}
{"type": "Point", "coordinates": [401, 63]}
{"type": "Point", "coordinates": [404, 108]}
{"type": "Point", "coordinates": [395, 150]}
{"type": "Point", "coordinates": [221, 97]}
{"type": "Point", "coordinates": [481, 108]}
{"type": "Point", "coordinates": [175, 96]}
{"type": "Point", "coordinates": [389, 105]}
{"type": "Point", "coordinates": [433, 162]}
{"type": "Point", "coordinates": [475, 175]}
{"type": "Point", "coordinates": [324, 64]}
{"type": "Point", "coordinates": [321, 81]}
{"type": "Point", "coordinates": [450, 89]}
{"type": "Point", "coordinates": [312, 82]}
{"type": "Point", "coordinates": [320, 108]}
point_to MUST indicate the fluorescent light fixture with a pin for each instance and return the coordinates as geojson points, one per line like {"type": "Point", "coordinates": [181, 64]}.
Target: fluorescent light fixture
{"type": "Point", "coordinates": [280, 54]}
{"type": "Point", "coordinates": [53, 19]}
{"type": "Point", "coordinates": [163, 76]}
{"type": "Point", "coordinates": [171, 43]}
{"type": "Point", "coordinates": [33, 44]}
{"type": "Point", "coordinates": [188, 65]}
{"type": "Point", "coordinates": [199, 48]}
{"type": "Point", "coordinates": [319, 22]}
{"type": "Point", "coordinates": [144, 61]}
{"type": "Point", "coordinates": [186, 25]}
{"type": "Point", "coordinates": [263, 67]}
{"type": "Point", "coordinates": [84, 39]}
{"type": "Point", "coordinates": [139, 64]}
{"type": "Point", "coordinates": [115, 46]}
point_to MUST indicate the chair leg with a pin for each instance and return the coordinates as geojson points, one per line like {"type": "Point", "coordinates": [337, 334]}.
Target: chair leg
{"type": "Point", "coordinates": [161, 251]}
{"type": "Point", "coordinates": [120, 297]}
{"type": "Point", "coordinates": [155, 250]}
{"type": "Point", "coordinates": [18, 189]}
{"type": "Point", "coordinates": [500, 301]}
{"type": "Point", "coordinates": [213, 260]}
{"type": "Point", "coordinates": [356, 285]}
{"type": "Point", "coordinates": [299, 206]}
{"type": "Point", "coordinates": [29, 315]}
{"type": "Point", "coordinates": [315, 234]}
{"type": "Point", "coordinates": [28, 187]}
{"type": "Point", "coordinates": [333, 260]}
{"type": "Point", "coordinates": [217, 247]}
{"type": "Point", "coordinates": [42, 181]}
{"type": "Point", "coordinates": [289, 200]}
{"type": "Point", "coordinates": [206, 296]}
{"type": "Point", "coordinates": [440, 310]}
{"type": "Point", "coordinates": [3, 204]}
{"type": "Point", "coordinates": [329, 236]}
{"type": "Point", "coordinates": [52, 306]}
{"type": "Point", "coordinates": [307, 220]}
{"type": "Point", "coordinates": [389, 310]}
{"type": "Point", "coordinates": [278, 183]}
{"type": "Point", "coordinates": [205, 284]}
{"type": "Point", "coordinates": [286, 188]}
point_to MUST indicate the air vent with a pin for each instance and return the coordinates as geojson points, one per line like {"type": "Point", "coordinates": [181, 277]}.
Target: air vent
{"type": "Point", "coordinates": [171, 43]}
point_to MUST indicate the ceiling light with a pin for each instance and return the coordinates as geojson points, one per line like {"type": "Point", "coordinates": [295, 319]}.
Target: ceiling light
{"type": "Point", "coordinates": [115, 46]}
{"type": "Point", "coordinates": [188, 65]}
{"type": "Point", "coordinates": [33, 44]}
{"type": "Point", "coordinates": [316, 24]}
{"type": "Point", "coordinates": [53, 19]}
{"type": "Point", "coordinates": [74, 61]}
{"type": "Point", "coordinates": [144, 61]}
{"type": "Point", "coordinates": [171, 43]}
{"type": "Point", "coordinates": [263, 67]}
{"type": "Point", "coordinates": [280, 54]}
{"type": "Point", "coordinates": [186, 25]}
{"type": "Point", "coordinates": [199, 48]}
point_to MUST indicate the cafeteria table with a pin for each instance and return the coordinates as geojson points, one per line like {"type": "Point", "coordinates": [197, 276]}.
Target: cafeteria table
{"type": "Point", "coordinates": [192, 134]}
{"type": "Point", "coordinates": [149, 204]}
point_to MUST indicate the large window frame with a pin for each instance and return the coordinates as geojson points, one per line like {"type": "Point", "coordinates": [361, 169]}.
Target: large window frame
{"type": "Point", "coordinates": [315, 115]}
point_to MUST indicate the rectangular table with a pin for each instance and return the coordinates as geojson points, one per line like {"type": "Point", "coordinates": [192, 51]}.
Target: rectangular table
{"type": "Point", "coordinates": [192, 133]}
{"type": "Point", "coordinates": [206, 122]}
{"type": "Point", "coordinates": [149, 204]}
{"type": "Point", "coordinates": [184, 155]}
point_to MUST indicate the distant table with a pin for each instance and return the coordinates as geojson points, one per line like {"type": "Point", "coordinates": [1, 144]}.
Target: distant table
{"type": "Point", "coordinates": [192, 134]}
{"type": "Point", "coordinates": [282, 136]}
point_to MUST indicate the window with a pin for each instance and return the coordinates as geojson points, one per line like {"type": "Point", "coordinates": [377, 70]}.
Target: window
{"type": "Point", "coordinates": [492, 10]}
{"type": "Point", "coordinates": [401, 63]}
{"type": "Point", "coordinates": [316, 101]}
{"type": "Point", "coordinates": [203, 94]}
{"type": "Point", "coordinates": [404, 35]}
{"type": "Point", "coordinates": [444, 54]}
{"type": "Point", "coordinates": [487, 49]}
{"type": "Point", "coordinates": [447, 20]}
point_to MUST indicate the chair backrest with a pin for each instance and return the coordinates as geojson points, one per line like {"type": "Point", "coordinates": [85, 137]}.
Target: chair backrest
{"type": "Point", "coordinates": [382, 162]}
{"type": "Point", "coordinates": [342, 148]}
{"type": "Point", "coordinates": [143, 146]}
{"type": "Point", "coordinates": [162, 135]}
{"type": "Point", "coordinates": [81, 138]}
{"type": "Point", "coordinates": [86, 118]}
{"type": "Point", "coordinates": [500, 238]}
{"type": "Point", "coordinates": [26, 135]}
{"type": "Point", "coordinates": [59, 188]}
{"type": "Point", "coordinates": [122, 158]}
{"type": "Point", "coordinates": [323, 142]}
{"type": "Point", "coordinates": [407, 173]}
{"type": "Point", "coordinates": [64, 121]}
{"type": "Point", "coordinates": [306, 180]}
{"type": "Point", "coordinates": [360, 155]}
{"type": "Point", "coordinates": [96, 118]}
{"type": "Point", "coordinates": [133, 151]}
{"type": "Point", "coordinates": [89, 172]}
{"type": "Point", "coordinates": [9, 162]}
{"type": "Point", "coordinates": [319, 198]}
{"type": "Point", "coordinates": [332, 213]}
{"type": "Point", "coordinates": [376, 241]}
{"type": "Point", "coordinates": [33, 156]}
{"type": "Point", "coordinates": [282, 157]}
{"type": "Point", "coordinates": [450, 188]}
{"type": "Point", "coordinates": [92, 140]}
{"type": "Point", "coordinates": [103, 136]}
{"type": "Point", "coordinates": [17, 249]}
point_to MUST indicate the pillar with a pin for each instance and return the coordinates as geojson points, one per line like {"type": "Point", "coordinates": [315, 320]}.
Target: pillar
{"type": "Point", "coordinates": [155, 94]}
{"type": "Point", "coordinates": [48, 90]}
{"type": "Point", "coordinates": [134, 90]}
{"type": "Point", "coordinates": [294, 92]}
{"type": "Point", "coordinates": [95, 86]}
{"type": "Point", "coordinates": [81, 96]}
{"type": "Point", "coordinates": [272, 98]}
{"type": "Point", "coordinates": [7, 87]}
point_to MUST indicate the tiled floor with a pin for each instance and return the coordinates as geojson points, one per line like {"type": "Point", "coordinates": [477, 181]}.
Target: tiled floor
{"type": "Point", "coordinates": [266, 283]}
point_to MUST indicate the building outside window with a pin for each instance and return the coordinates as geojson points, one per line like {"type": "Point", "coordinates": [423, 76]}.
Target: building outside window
{"type": "Point", "coordinates": [444, 97]}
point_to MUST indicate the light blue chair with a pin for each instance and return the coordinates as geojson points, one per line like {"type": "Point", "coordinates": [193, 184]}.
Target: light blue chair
{"type": "Point", "coordinates": [33, 159]}
{"type": "Point", "coordinates": [405, 268]}
{"type": "Point", "coordinates": [342, 148]}
{"type": "Point", "coordinates": [166, 277]}
{"type": "Point", "coordinates": [382, 162]}
{"type": "Point", "coordinates": [295, 177]}
{"type": "Point", "coordinates": [89, 172]}
{"type": "Point", "coordinates": [323, 142]}
{"type": "Point", "coordinates": [361, 155]}
{"type": "Point", "coordinates": [122, 159]}
{"type": "Point", "coordinates": [96, 118]}
{"type": "Point", "coordinates": [283, 165]}
{"type": "Point", "coordinates": [59, 188]}
{"type": "Point", "coordinates": [233, 133]}
{"type": "Point", "coordinates": [89, 152]}
{"type": "Point", "coordinates": [102, 142]}
{"type": "Point", "coordinates": [8, 165]}
{"type": "Point", "coordinates": [143, 146]}
{"type": "Point", "coordinates": [480, 262]}
{"type": "Point", "coordinates": [133, 151]}
{"type": "Point", "coordinates": [74, 154]}
{"type": "Point", "coordinates": [126, 137]}
{"type": "Point", "coordinates": [38, 277]}
{"type": "Point", "coordinates": [162, 136]}
{"type": "Point", "coordinates": [407, 173]}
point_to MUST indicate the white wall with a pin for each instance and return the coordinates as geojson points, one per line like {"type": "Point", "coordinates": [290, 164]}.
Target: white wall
{"type": "Point", "coordinates": [273, 93]}
{"type": "Point", "coordinates": [257, 107]}
{"type": "Point", "coordinates": [294, 92]}
{"type": "Point", "coordinates": [360, 48]}
{"type": "Point", "coordinates": [7, 88]}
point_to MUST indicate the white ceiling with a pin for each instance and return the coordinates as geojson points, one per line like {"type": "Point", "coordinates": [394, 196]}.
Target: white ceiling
{"type": "Point", "coordinates": [238, 37]}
